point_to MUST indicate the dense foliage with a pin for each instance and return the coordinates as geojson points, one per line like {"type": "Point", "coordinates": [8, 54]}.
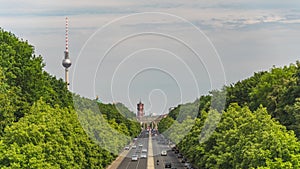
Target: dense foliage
{"type": "Point", "coordinates": [50, 137]}
{"type": "Point", "coordinates": [277, 90]}
{"type": "Point", "coordinates": [40, 127]}
{"type": "Point", "coordinates": [25, 78]}
{"type": "Point", "coordinates": [125, 111]}
{"type": "Point", "coordinates": [244, 134]}
{"type": "Point", "coordinates": [242, 139]}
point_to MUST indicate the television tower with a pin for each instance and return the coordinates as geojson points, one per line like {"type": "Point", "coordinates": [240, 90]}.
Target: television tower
{"type": "Point", "coordinates": [66, 61]}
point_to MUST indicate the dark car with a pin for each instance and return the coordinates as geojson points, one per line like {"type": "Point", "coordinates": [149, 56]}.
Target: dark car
{"type": "Point", "coordinates": [176, 151]}
{"type": "Point", "coordinates": [180, 155]}
{"type": "Point", "coordinates": [168, 165]}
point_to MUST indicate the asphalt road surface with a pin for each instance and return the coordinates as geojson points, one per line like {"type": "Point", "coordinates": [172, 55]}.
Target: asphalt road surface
{"type": "Point", "coordinates": [158, 144]}
{"type": "Point", "coordinates": [127, 163]}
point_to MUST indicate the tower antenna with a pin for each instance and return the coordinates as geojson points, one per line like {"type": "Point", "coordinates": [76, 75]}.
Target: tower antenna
{"type": "Point", "coordinates": [66, 61]}
{"type": "Point", "coordinates": [67, 45]}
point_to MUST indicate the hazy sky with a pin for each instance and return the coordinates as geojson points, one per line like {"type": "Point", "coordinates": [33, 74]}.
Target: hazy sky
{"type": "Point", "coordinates": [164, 52]}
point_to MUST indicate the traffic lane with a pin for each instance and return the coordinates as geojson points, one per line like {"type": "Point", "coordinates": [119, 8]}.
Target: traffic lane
{"type": "Point", "coordinates": [158, 159]}
{"type": "Point", "coordinates": [127, 160]}
{"type": "Point", "coordinates": [142, 162]}
{"type": "Point", "coordinates": [127, 163]}
{"type": "Point", "coordinates": [171, 156]}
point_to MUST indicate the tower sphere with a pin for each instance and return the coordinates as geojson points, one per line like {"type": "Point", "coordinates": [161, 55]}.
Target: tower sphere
{"type": "Point", "coordinates": [66, 63]}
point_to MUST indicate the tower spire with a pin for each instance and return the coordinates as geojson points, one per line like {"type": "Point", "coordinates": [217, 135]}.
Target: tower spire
{"type": "Point", "coordinates": [67, 40]}
{"type": "Point", "coordinates": [66, 61]}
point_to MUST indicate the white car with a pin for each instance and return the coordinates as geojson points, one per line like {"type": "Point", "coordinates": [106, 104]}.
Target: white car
{"type": "Point", "coordinates": [187, 164]}
{"type": "Point", "coordinates": [126, 148]}
{"type": "Point", "coordinates": [134, 157]}
{"type": "Point", "coordinates": [140, 145]}
{"type": "Point", "coordinates": [133, 147]}
{"type": "Point", "coordinates": [143, 155]}
{"type": "Point", "coordinates": [144, 150]}
{"type": "Point", "coordinates": [164, 153]}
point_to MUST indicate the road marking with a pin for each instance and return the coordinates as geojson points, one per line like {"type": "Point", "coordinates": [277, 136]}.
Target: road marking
{"type": "Point", "coordinates": [115, 164]}
{"type": "Point", "coordinates": [150, 160]}
{"type": "Point", "coordinates": [127, 165]}
{"type": "Point", "coordinates": [118, 160]}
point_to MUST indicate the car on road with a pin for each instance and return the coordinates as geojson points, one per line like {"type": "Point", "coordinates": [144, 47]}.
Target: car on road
{"type": "Point", "coordinates": [164, 153]}
{"type": "Point", "coordinates": [126, 147]}
{"type": "Point", "coordinates": [133, 147]}
{"type": "Point", "coordinates": [176, 151]}
{"type": "Point", "coordinates": [143, 155]}
{"type": "Point", "coordinates": [180, 155]}
{"type": "Point", "coordinates": [188, 165]}
{"type": "Point", "coordinates": [134, 157]}
{"type": "Point", "coordinates": [140, 145]}
{"type": "Point", "coordinates": [168, 165]}
{"type": "Point", "coordinates": [144, 150]}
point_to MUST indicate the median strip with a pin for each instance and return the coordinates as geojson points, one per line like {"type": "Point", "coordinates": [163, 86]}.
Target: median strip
{"type": "Point", "coordinates": [150, 161]}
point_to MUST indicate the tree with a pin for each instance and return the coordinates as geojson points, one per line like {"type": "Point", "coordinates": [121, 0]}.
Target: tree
{"type": "Point", "coordinates": [50, 137]}
{"type": "Point", "coordinates": [244, 139]}
{"type": "Point", "coordinates": [165, 123]}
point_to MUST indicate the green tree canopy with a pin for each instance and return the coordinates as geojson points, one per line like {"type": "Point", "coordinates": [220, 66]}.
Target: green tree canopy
{"type": "Point", "coordinates": [244, 139]}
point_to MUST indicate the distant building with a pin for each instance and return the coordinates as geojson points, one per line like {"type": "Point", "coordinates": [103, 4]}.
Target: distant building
{"type": "Point", "coordinates": [153, 114]}
{"type": "Point", "coordinates": [140, 110]}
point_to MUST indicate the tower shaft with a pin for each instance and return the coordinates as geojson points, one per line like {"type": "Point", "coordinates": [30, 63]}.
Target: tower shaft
{"type": "Point", "coordinates": [67, 78]}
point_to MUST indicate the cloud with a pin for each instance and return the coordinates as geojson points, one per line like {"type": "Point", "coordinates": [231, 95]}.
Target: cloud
{"type": "Point", "coordinates": [220, 19]}
{"type": "Point", "coordinates": [229, 14]}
